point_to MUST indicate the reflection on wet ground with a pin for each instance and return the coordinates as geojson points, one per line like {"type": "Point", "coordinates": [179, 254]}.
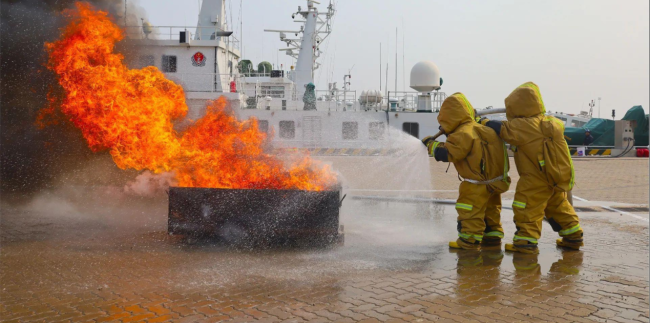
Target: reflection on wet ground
{"type": "Point", "coordinates": [58, 265]}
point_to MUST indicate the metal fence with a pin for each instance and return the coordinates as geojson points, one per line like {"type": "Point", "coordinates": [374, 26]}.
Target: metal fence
{"type": "Point", "coordinates": [337, 96]}
{"type": "Point", "coordinates": [173, 33]}
{"type": "Point", "coordinates": [408, 100]}
{"type": "Point", "coordinates": [208, 82]}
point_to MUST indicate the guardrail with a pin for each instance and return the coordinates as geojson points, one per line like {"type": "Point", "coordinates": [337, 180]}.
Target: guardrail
{"type": "Point", "coordinates": [349, 96]}
{"type": "Point", "coordinates": [408, 100]}
{"type": "Point", "coordinates": [255, 74]}
{"type": "Point", "coordinates": [173, 33]}
{"type": "Point", "coordinates": [206, 82]}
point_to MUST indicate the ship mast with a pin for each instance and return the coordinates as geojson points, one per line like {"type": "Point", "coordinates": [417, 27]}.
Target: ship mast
{"type": "Point", "coordinates": [305, 49]}
{"type": "Point", "coordinates": [211, 20]}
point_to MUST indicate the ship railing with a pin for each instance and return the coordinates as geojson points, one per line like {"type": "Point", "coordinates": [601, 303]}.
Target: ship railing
{"type": "Point", "coordinates": [343, 96]}
{"type": "Point", "coordinates": [289, 101]}
{"type": "Point", "coordinates": [261, 102]}
{"type": "Point", "coordinates": [173, 33]}
{"type": "Point", "coordinates": [255, 74]}
{"type": "Point", "coordinates": [408, 100]}
{"type": "Point", "coordinates": [380, 146]}
{"type": "Point", "coordinates": [205, 82]}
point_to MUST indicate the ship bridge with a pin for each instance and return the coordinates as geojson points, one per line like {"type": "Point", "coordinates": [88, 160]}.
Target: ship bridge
{"type": "Point", "coordinates": [203, 59]}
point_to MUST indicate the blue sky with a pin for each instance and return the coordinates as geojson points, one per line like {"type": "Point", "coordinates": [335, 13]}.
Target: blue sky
{"type": "Point", "coordinates": [575, 50]}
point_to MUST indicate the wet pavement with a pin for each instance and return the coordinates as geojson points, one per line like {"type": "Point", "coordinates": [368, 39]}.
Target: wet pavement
{"type": "Point", "coordinates": [621, 180]}
{"type": "Point", "coordinates": [89, 253]}
{"type": "Point", "coordinates": [58, 264]}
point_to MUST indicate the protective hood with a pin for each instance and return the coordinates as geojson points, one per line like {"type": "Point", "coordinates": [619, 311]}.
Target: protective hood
{"type": "Point", "coordinates": [525, 101]}
{"type": "Point", "coordinates": [455, 111]}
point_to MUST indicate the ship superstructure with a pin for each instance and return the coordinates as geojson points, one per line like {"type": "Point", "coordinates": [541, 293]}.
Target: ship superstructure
{"type": "Point", "coordinates": [205, 59]}
{"type": "Point", "coordinates": [305, 46]}
{"type": "Point", "coordinates": [202, 58]}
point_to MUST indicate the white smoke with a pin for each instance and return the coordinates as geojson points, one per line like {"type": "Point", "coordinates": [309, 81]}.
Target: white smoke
{"type": "Point", "coordinates": [150, 185]}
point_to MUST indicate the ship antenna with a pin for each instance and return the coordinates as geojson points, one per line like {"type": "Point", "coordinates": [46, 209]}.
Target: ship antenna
{"type": "Point", "coordinates": [386, 80]}
{"type": "Point", "coordinates": [395, 60]}
{"type": "Point", "coordinates": [231, 22]}
{"type": "Point", "coordinates": [403, 59]}
{"type": "Point", "coordinates": [241, 28]}
{"type": "Point", "coordinates": [387, 60]}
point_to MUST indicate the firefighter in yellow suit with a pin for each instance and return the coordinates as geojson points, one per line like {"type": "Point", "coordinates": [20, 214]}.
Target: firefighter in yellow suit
{"type": "Point", "coordinates": [480, 158]}
{"type": "Point", "coordinates": [545, 169]}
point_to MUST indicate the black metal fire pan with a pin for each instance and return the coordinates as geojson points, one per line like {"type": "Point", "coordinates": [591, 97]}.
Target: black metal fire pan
{"type": "Point", "coordinates": [254, 214]}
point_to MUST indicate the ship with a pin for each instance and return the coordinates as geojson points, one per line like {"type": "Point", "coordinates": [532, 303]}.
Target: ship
{"type": "Point", "coordinates": [206, 60]}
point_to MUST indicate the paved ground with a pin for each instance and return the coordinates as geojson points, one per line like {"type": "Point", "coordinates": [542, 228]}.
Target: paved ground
{"type": "Point", "coordinates": [623, 180]}
{"type": "Point", "coordinates": [91, 254]}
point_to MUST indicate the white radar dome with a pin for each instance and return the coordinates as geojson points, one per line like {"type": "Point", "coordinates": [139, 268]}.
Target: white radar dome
{"type": "Point", "coordinates": [425, 77]}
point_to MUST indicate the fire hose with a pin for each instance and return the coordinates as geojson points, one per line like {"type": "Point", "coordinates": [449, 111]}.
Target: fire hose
{"type": "Point", "coordinates": [440, 133]}
{"type": "Point", "coordinates": [478, 113]}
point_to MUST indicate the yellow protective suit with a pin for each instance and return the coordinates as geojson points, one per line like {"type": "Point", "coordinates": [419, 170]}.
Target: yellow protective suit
{"type": "Point", "coordinates": [545, 169]}
{"type": "Point", "coordinates": [480, 158]}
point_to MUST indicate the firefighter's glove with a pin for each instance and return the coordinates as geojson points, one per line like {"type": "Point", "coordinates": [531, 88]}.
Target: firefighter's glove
{"type": "Point", "coordinates": [438, 151]}
{"type": "Point", "coordinates": [496, 125]}
{"type": "Point", "coordinates": [440, 154]}
{"type": "Point", "coordinates": [483, 120]}
{"type": "Point", "coordinates": [427, 140]}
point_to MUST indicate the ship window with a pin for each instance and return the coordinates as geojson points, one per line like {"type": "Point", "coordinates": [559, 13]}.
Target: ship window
{"type": "Point", "coordinates": [263, 125]}
{"type": "Point", "coordinates": [350, 130]}
{"type": "Point", "coordinates": [146, 60]}
{"type": "Point", "coordinates": [412, 128]}
{"type": "Point", "coordinates": [273, 91]}
{"type": "Point", "coordinates": [287, 129]}
{"type": "Point", "coordinates": [376, 130]}
{"type": "Point", "coordinates": [169, 64]}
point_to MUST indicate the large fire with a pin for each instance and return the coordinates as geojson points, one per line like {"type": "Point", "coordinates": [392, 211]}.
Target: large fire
{"type": "Point", "coordinates": [130, 112]}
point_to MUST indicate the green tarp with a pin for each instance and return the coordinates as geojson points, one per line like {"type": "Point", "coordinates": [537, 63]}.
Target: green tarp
{"type": "Point", "coordinates": [604, 135]}
{"type": "Point", "coordinates": [603, 130]}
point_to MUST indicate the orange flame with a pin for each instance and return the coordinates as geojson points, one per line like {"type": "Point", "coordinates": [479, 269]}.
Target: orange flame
{"type": "Point", "coordinates": [130, 112]}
